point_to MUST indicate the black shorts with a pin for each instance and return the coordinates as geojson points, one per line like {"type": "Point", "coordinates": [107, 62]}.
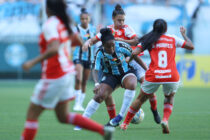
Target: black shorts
{"type": "Point", "coordinates": [114, 80]}
{"type": "Point", "coordinates": [85, 64]}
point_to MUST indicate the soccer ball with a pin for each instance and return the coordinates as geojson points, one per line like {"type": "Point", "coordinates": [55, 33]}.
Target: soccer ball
{"type": "Point", "coordinates": [139, 117]}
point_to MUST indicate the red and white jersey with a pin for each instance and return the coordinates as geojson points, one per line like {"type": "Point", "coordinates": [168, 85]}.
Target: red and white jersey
{"type": "Point", "coordinates": [126, 32]}
{"type": "Point", "coordinates": [162, 68]}
{"type": "Point", "coordinates": [59, 64]}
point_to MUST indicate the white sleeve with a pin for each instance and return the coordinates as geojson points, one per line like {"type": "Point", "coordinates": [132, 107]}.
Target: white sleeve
{"type": "Point", "coordinates": [129, 32]}
{"type": "Point", "coordinates": [179, 42]}
{"type": "Point", "coordinates": [98, 36]}
{"type": "Point", "coordinates": [50, 30]}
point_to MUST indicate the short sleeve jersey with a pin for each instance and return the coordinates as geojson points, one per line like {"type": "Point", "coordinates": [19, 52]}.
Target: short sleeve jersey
{"type": "Point", "coordinates": [115, 63]}
{"type": "Point", "coordinates": [162, 68]}
{"type": "Point", "coordinates": [85, 34]}
{"type": "Point", "coordinates": [59, 64]}
{"type": "Point", "coordinates": [125, 33]}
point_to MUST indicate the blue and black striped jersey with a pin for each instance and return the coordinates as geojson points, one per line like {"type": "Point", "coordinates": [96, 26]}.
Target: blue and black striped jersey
{"type": "Point", "coordinates": [114, 63]}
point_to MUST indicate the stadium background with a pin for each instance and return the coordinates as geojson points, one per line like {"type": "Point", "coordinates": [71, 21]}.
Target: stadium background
{"type": "Point", "coordinates": [20, 26]}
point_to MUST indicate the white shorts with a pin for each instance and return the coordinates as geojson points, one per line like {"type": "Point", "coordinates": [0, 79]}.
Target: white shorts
{"type": "Point", "coordinates": [139, 71]}
{"type": "Point", "coordinates": [48, 93]}
{"type": "Point", "coordinates": [152, 87]}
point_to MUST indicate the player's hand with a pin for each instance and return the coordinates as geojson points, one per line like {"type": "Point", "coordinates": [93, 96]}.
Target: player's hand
{"type": "Point", "coordinates": [27, 65]}
{"type": "Point", "coordinates": [127, 59]}
{"type": "Point", "coordinates": [182, 30]}
{"type": "Point", "coordinates": [85, 46]}
{"type": "Point", "coordinates": [96, 89]}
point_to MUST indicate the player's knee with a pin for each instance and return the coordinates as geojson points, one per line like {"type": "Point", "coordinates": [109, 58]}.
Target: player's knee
{"type": "Point", "coordinates": [99, 98]}
{"type": "Point", "coordinates": [131, 86]}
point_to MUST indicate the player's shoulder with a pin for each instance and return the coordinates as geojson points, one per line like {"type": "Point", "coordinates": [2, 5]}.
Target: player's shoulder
{"type": "Point", "coordinates": [123, 45]}
{"type": "Point", "coordinates": [51, 22]}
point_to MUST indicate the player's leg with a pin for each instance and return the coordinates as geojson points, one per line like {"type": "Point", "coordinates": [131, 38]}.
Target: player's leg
{"type": "Point", "coordinates": [66, 117]}
{"type": "Point", "coordinates": [129, 82]}
{"type": "Point", "coordinates": [169, 92]}
{"type": "Point", "coordinates": [152, 99]}
{"type": "Point", "coordinates": [31, 124]}
{"type": "Point", "coordinates": [78, 82]}
{"type": "Point", "coordinates": [85, 77]}
{"type": "Point", "coordinates": [104, 91]}
{"type": "Point", "coordinates": [109, 101]}
{"type": "Point", "coordinates": [147, 88]}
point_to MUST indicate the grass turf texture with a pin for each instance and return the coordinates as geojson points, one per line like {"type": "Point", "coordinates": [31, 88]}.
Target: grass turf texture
{"type": "Point", "coordinates": [190, 118]}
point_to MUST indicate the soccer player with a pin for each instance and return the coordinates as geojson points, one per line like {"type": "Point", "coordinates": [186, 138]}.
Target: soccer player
{"type": "Point", "coordinates": [126, 34]}
{"type": "Point", "coordinates": [116, 72]}
{"type": "Point", "coordinates": [53, 90]}
{"type": "Point", "coordinates": [83, 60]}
{"type": "Point", "coordinates": [162, 69]}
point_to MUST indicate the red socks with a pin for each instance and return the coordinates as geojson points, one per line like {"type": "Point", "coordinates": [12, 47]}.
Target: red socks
{"type": "Point", "coordinates": [153, 102]}
{"type": "Point", "coordinates": [112, 111]}
{"type": "Point", "coordinates": [86, 123]}
{"type": "Point", "coordinates": [167, 111]}
{"type": "Point", "coordinates": [131, 113]}
{"type": "Point", "coordinates": [30, 130]}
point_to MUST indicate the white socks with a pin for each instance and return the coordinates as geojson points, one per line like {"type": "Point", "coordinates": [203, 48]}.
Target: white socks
{"type": "Point", "coordinates": [82, 97]}
{"type": "Point", "coordinates": [91, 108]}
{"type": "Point", "coordinates": [127, 100]}
{"type": "Point", "coordinates": [79, 98]}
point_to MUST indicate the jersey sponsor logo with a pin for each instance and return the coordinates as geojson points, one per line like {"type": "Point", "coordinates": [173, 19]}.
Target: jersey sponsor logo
{"type": "Point", "coordinates": [163, 71]}
{"type": "Point", "coordinates": [119, 33]}
{"type": "Point", "coordinates": [161, 77]}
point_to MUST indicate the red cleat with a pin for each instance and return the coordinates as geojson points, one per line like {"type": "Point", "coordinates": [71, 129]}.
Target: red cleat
{"type": "Point", "coordinates": [123, 126]}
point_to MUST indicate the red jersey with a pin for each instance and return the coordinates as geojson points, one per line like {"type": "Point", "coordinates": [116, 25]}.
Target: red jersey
{"type": "Point", "coordinates": [162, 68]}
{"type": "Point", "coordinates": [59, 64]}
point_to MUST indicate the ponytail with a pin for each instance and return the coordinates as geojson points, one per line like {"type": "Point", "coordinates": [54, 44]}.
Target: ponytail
{"type": "Point", "coordinates": [118, 11]}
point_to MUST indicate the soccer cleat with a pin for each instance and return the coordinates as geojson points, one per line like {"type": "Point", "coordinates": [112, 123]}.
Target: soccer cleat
{"type": "Point", "coordinates": [77, 128]}
{"type": "Point", "coordinates": [156, 116]}
{"type": "Point", "coordinates": [115, 121]}
{"type": "Point", "coordinates": [108, 132]}
{"type": "Point", "coordinates": [78, 108]}
{"type": "Point", "coordinates": [165, 127]}
{"type": "Point", "coordinates": [123, 126]}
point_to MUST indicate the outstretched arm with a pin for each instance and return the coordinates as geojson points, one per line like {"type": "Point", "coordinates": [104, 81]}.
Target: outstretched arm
{"type": "Point", "coordinates": [132, 42]}
{"type": "Point", "coordinates": [140, 62]}
{"type": "Point", "coordinates": [89, 43]}
{"type": "Point", "coordinates": [188, 45]}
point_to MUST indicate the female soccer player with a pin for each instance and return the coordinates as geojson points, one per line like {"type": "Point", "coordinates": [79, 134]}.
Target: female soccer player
{"type": "Point", "coordinates": [53, 90]}
{"type": "Point", "coordinates": [83, 60]}
{"type": "Point", "coordinates": [126, 34]}
{"type": "Point", "coordinates": [162, 69]}
{"type": "Point", "coordinates": [116, 72]}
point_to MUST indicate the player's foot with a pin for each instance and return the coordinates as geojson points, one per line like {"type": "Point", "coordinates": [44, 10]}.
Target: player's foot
{"type": "Point", "coordinates": [77, 128]}
{"type": "Point", "coordinates": [115, 121]}
{"type": "Point", "coordinates": [108, 132]}
{"type": "Point", "coordinates": [123, 126]}
{"type": "Point", "coordinates": [165, 127]}
{"type": "Point", "coordinates": [156, 116]}
{"type": "Point", "coordinates": [78, 108]}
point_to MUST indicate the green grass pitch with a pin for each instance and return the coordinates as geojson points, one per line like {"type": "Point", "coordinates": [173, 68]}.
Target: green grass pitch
{"type": "Point", "coordinates": [190, 119]}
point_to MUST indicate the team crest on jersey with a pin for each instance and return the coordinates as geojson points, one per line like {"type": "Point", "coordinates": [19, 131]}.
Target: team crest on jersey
{"type": "Point", "coordinates": [87, 35]}
{"type": "Point", "coordinates": [114, 59]}
{"type": "Point", "coordinates": [119, 33]}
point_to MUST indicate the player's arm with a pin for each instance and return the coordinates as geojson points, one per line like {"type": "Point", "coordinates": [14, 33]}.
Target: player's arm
{"type": "Point", "coordinates": [76, 40]}
{"type": "Point", "coordinates": [135, 52]}
{"type": "Point", "coordinates": [52, 49]}
{"type": "Point", "coordinates": [140, 62]}
{"type": "Point", "coordinates": [132, 41]}
{"type": "Point", "coordinates": [188, 44]}
{"type": "Point", "coordinates": [89, 43]}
